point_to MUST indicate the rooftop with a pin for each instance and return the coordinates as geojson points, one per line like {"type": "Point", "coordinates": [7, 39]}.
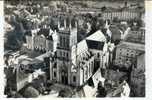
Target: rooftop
{"type": "Point", "coordinates": [131, 45]}
{"type": "Point", "coordinates": [97, 36]}
{"type": "Point", "coordinates": [135, 36]}
{"type": "Point", "coordinates": [95, 44]}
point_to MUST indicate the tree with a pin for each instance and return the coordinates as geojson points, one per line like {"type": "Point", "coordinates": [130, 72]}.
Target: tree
{"type": "Point", "coordinates": [115, 20]}
{"type": "Point", "coordinates": [65, 93]}
{"type": "Point", "coordinates": [101, 90]}
{"type": "Point", "coordinates": [30, 92]}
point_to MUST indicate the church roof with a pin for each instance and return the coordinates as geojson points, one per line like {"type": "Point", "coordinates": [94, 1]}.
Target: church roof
{"type": "Point", "coordinates": [97, 36]}
{"type": "Point", "coordinates": [95, 44]}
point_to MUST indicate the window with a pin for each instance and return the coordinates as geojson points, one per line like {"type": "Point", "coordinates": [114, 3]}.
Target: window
{"type": "Point", "coordinates": [68, 42]}
{"type": "Point", "coordinates": [64, 43]}
{"type": "Point", "coordinates": [54, 74]}
{"type": "Point", "coordinates": [74, 78]}
{"type": "Point", "coordinates": [61, 41]}
{"type": "Point", "coordinates": [67, 55]}
{"type": "Point", "coordinates": [55, 65]}
{"type": "Point", "coordinates": [89, 68]}
{"type": "Point", "coordinates": [98, 55]}
{"type": "Point", "coordinates": [63, 54]}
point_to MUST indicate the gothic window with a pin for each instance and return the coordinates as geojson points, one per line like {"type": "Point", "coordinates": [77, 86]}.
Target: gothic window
{"type": "Point", "coordinates": [74, 78]}
{"type": "Point", "coordinates": [55, 65]}
{"type": "Point", "coordinates": [89, 68]}
{"type": "Point", "coordinates": [64, 54]}
{"type": "Point", "coordinates": [54, 74]}
{"type": "Point", "coordinates": [67, 42]}
{"type": "Point", "coordinates": [67, 55]}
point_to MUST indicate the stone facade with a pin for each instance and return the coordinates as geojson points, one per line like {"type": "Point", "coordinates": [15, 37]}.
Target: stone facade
{"type": "Point", "coordinates": [60, 67]}
{"type": "Point", "coordinates": [126, 53]}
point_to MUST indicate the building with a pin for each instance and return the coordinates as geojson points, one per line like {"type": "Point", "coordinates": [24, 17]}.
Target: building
{"type": "Point", "coordinates": [126, 52]}
{"type": "Point", "coordinates": [40, 40]}
{"type": "Point", "coordinates": [96, 49]}
{"type": "Point", "coordinates": [136, 36]}
{"type": "Point", "coordinates": [82, 63]}
{"type": "Point", "coordinates": [75, 64]}
{"type": "Point", "coordinates": [67, 36]}
{"type": "Point", "coordinates": [138, 77]}
{"type": "Point", "coordinates": [121, 14]}
{"type": "Point", "coordinates": [16, 78]}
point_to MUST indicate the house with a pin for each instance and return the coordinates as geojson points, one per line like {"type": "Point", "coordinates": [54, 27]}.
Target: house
{"type": "Point", "coordinates": [39, 40]}
{"type": "Point", "coordinates": [16, 77]}
{"type": "Point", "coordinates": [126, 52]}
